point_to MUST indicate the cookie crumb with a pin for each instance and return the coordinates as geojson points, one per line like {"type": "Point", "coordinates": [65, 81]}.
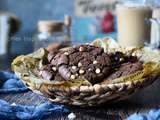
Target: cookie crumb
{"type": "Point", "coordinates": [13, 104]}
{"type": "Point", "coordinates": [71, 116]}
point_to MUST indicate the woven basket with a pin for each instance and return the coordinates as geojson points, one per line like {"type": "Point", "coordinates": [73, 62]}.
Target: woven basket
{"type": "Point", "coordinates": [83, 93]}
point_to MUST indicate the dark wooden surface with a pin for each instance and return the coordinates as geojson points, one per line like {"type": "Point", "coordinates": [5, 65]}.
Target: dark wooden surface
{"type": "Point", "coordinates": [139, 102]}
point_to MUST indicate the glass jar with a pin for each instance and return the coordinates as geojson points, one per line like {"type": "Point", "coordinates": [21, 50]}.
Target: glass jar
{"type": "Point", "coordinates": [53, 33]}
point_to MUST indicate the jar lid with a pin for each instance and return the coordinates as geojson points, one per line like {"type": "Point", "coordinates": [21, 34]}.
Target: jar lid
{"type": "Point", "coordinates": [50, 26]}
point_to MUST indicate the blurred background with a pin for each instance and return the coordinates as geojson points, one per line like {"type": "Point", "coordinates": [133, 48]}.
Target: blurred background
{"type": "Point", "coordinates": [85, 24]}
{"type": "Point", "coordinates": [26, 25]}
{"type": "Point", "coordinates": [30, 12]}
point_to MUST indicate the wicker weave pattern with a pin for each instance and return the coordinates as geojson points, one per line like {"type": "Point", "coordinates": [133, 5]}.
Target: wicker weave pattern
{"type": "Point", "coordinates": [89, 95]}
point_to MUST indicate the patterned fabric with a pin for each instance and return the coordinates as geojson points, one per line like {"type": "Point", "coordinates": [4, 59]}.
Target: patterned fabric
{"type": "Point", "coordinates": [11, 84]}
{"type": "Point", "coordinates": [153, 114]}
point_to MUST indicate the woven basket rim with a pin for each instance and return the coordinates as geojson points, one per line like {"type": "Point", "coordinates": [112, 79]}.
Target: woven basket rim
{"type": "Point", "coordinates": [97, 87]}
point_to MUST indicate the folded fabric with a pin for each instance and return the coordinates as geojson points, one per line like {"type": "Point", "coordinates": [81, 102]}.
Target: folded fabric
{"type": "Point", "coordinates": [153, 114]}
{"type": "Point", "coordinates": [10, 83]}
{"type": "Point", "coordinates": [24, 112]}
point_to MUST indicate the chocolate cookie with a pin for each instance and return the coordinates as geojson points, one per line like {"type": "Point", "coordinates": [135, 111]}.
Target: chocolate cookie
{"type": "Point", "coordinates": [50, 72]}
{"type": "Point", "coordinates": [126, 69]}
{"type": "Point", "coordinates": [46, 72]}
{"type": "Point", "coordinates": [89, 62]}
{"type": "Point", "coordinates": [81, 61]}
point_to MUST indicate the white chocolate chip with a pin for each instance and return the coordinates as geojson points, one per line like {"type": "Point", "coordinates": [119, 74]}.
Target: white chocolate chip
{"type": "Point", "coordinates": [81, 71]}
{"type": "Point", "coordinates": [66, 53]}
{"type": "Point", "coordinates": [77, 75]}
{"type": "Point", "coordinates": [54, 68]}
{"type": "Point", "coordinates": [98, 71]}
{"type": "Point", "coordinates": [79, 64]}
{"type": "Point", "coordinates": [94, 62]}
{"type": "Point", "coordinates": [121, 59]}
{"type": "Point", "coordinates": [133, 54]}
{"type": "Point", "coordinates": [81, 49]}
{"type": "Point", "coordinates": [73, 76]}
{"type": "Point", "coordinates": [74, 67]}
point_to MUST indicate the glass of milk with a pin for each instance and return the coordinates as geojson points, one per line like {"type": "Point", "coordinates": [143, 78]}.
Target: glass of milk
{"type": "Point", "coordinates": [133, 30]}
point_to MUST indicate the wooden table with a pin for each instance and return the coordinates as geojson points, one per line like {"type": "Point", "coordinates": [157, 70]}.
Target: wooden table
{"type": "Point", "coordinates": [139, 102]}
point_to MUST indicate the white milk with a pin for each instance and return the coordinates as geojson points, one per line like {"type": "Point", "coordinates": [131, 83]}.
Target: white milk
{"type": "Point", "coordinates": [132, 28]}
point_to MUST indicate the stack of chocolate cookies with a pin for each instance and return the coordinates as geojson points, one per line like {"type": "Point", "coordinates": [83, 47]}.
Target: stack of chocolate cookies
{"type": "Point", "coordinates": [88, 62]}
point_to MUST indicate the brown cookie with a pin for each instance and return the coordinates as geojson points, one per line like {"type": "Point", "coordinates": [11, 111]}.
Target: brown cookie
{"type": "Point", "coordinates": [89, 62]}
{"type": "Point", "coordinates": [126, 69]}
{"type": "Point", "coordinates": [83, 61]}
